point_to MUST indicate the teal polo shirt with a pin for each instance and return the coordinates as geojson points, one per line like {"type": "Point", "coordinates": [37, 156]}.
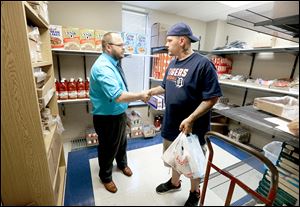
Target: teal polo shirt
{"type": "Point", "coordinates": [106, 85]}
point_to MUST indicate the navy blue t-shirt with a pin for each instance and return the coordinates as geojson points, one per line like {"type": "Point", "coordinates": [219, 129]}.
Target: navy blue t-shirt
{"type": "Point", "coordinates": [186, 84]}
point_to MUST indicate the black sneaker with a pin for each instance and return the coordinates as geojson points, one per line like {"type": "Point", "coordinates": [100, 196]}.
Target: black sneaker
{"type": "Point", "coordinates": [167, 187]}
{"type": "Point", "coordinates": [193, 199]}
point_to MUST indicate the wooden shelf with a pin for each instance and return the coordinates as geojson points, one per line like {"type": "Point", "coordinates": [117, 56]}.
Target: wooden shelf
{"type": "Point", "coordinates": [57, 169]}
{"type": "Point", "coordinates": [49, 137]}
{"type": "Point", "coordinates": [62, 174]}
{"type": "Point", "coordinates": [41, 64]}
{"type": "Point", "coordinates": [34, 17]}
{"type": "Point", "coordinates": [26, 174]}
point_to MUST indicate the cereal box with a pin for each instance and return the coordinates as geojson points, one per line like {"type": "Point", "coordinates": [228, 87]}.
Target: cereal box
{"type": "Point", "coordinates": [129, 42]}
{"type": "Point", "coordinates": [87, 39]}
{"type": "Point", "coordinates": [71, 38]}
{"type": "Point", "coordinates": [98, 39]}
{"type": "Point", "coordinates": [140, 44]}
{"type": "Point", "coordinates": [56, 36]}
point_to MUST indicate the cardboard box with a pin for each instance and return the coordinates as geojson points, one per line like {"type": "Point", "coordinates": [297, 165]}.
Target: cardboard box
{"type": "Point", "coordinates": [87, 39]}
{"type": "Point", "coordinates": [159, 40]}
{"type": "Point", "coordinates": [71, 38]}
{"type": "Point", "coordinates": [98, 39]}
{"type": "Point", "coordinates": [56, 36]}
{"type": "Point", "coordinates": [157, 27]}
{"type": "Point", "coordinates": [141, 44]}
{"type": "Point", "coordinates": [162, 38]}
{"type": "Point", "coordinates": [154, 41]}
{"type": "Point", "coordinates": [286, 107]}
{"type": "Point", "coordinates": [264, 41]}
{"type": "Point", "coordinates": [130, 42]}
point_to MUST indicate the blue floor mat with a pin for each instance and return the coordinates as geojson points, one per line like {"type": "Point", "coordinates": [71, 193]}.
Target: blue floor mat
{"type": "Point", "coordinates": [79, 188]}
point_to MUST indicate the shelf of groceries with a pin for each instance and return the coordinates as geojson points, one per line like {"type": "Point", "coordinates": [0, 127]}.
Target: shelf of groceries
{"type": "Point", "coordinates": [286, 90]}
{"type": "Point", "coordinates": [291, 49]}
{"type": "Point", "coordinates": [62, 51]}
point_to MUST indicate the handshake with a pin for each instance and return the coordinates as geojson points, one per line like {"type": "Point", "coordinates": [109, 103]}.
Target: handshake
{"type": "Point", "coordinates": [145, 95]}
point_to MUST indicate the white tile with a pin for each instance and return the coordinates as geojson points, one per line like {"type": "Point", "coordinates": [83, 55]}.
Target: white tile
{"type": "Point", "coordinates": [148, 172]}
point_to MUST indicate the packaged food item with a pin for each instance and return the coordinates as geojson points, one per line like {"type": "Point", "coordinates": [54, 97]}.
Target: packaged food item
{"type": "Point", "coordinates": [98, 39]}
{"type": "Point", "coordinates": [87, 39]}
{"type": "Point", "coordinates": [71, 38]}
{"type": "Point", "coordinates": [141, 44]}
{"type": "Point", "coordinates": [129, 41]}
{"type": "Point", "coordinates": [56, 36]}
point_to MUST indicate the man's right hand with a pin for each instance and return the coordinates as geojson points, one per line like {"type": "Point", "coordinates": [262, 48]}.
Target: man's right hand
{"type": "Point", "coordinates": [145, 96]}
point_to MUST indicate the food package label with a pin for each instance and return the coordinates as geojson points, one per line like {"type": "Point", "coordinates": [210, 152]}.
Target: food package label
{"type": "Point", "coordinates": [56, 36]}
{"type": "Point", "coordinates": [87, 39]}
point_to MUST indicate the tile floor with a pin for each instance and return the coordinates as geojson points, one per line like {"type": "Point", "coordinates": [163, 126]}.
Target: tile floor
{"type": "Point", "coordinates": [144, 156]}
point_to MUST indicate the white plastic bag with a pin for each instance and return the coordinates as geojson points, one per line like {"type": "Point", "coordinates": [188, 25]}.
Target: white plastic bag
{"type": "Point", "coordinates": [197, 158]}
{"type": "Point", "coordinates": [186, 156]}
{"type": "Point", "coordinates": [169, 155]}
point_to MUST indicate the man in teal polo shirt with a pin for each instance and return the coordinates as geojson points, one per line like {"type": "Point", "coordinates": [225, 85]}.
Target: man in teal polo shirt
{"type": "Point", "coordinates": [109, 96]}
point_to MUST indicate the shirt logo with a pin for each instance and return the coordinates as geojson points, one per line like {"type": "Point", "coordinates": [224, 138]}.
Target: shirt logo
{"type": "Point", "coordinates": [179, 82]}
{"type": "Point", "coordinates": [177, 75]}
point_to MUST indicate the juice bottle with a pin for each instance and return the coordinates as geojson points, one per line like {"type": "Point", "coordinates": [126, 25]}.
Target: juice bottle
{"type": "Point", "coordinates": [72, 90]}
{"type": "Point", "coordinates": [81, 92]}
{"type": "Point", "coordinates": [87, 87]}
{"type": "Point", "coordinates": [57, 89]}
{"type": "Point", "coordinates": [63, 89]}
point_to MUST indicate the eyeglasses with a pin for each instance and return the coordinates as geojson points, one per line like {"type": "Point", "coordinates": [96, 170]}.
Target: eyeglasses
{"type": "Point", "coordinates": [119, 45]}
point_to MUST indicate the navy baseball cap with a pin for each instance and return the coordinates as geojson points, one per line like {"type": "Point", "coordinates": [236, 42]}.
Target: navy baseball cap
{"type": "Point", "coordinates": [182, 29]}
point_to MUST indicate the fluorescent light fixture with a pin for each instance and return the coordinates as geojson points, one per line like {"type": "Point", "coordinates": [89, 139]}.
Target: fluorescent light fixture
{"type": "Point", "coordinates": [133, 8]}
{"type": "Point", "coordinates": [235, 4]}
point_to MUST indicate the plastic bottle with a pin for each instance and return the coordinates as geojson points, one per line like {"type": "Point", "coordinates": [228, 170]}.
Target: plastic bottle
{"type": "Point", "coordinates": [81, 92]}
{"type": "Point", "coordinates": [72, 90]}
{"type": "Point", "coordinates": [87, 87]}
{"type": "Point", "coordinates": [57, 89]}
{"type": "Point", "coordinates": [63, 89]}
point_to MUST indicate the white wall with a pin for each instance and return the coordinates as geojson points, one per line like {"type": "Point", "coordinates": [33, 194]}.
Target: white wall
{"type": "Point", "coordinates": [87, 14]}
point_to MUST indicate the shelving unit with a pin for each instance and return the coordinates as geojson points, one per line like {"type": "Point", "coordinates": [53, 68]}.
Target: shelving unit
{"type": "Point", "coordinates": [256, 119]}
{"type": "Point", "coordinates": [257, 87]}
{"type": "Point", "coordinates": [252, 52]}
{"type": "Point", "coordinates": [278, 19]}
{"type": "Point", "coordinates": [32, 163]}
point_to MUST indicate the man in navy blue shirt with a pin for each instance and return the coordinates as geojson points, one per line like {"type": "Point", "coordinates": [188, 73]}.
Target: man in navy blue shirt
{"type": "Point", "coordinates": [191, 89]}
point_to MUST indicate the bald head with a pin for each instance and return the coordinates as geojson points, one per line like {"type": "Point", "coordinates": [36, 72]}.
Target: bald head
{"type": "Point", "coordinates": [112, 44]}
{"type": "Point", "coordinates": [111, 38]}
